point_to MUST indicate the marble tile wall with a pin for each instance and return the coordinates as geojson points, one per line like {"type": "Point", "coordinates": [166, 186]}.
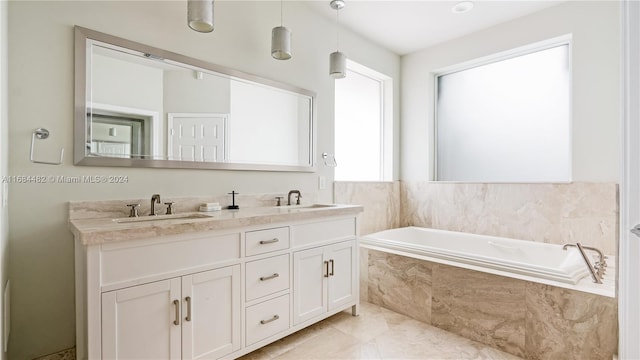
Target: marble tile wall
{"type": "Point", "coordinates": [381, 201]}
{"type": "Point", "coordinates": [550, 213]}
{"type": "Point", "coordinates": [480, 307]}
{"type": "Point", "coordinates": [526, 319]}
{"type": "Point", "coordinates": [401, 284]}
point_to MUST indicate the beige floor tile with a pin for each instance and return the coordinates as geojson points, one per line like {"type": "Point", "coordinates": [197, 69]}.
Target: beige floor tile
{"type": "Point", "coordinates": [376, 334]}
{"type": "Point", "coordinates": [325, 345]}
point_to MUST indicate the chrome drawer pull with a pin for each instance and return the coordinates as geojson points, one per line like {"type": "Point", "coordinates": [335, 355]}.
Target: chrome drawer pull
{"type": "Point", "coordinates": [263, 278]}
{"type": "Point", "coordinates": [176, 303]}
{"type": "Point", "coordinates": [274, 318]}
{"type": "Point", "coordinates": [326, 267]}
{"type": "Point", "coordinates": [264, 242]}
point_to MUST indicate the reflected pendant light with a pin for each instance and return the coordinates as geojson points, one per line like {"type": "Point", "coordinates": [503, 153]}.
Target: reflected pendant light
{"type": "Point", "coordinates": [337, 60]}
{"type": "Point", "coordinates": [281, 41]}
{"type": "Point", "coordinates": [200, 15]}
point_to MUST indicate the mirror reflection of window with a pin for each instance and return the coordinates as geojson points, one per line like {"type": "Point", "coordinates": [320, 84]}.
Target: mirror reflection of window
{"type": "Point", "coordinates": [507, 120]}
{"type": "Point", "coordinates": [116, 136]}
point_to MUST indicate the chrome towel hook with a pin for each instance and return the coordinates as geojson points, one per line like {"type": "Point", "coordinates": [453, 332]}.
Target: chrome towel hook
{"type": "Point", "coordinates": [41, 134]}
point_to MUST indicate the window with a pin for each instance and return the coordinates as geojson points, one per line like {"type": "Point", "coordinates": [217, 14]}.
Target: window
{"type": "Point", "coordinates": [363, 125]}
{"type": "Point", "coordinates": [507, 119]}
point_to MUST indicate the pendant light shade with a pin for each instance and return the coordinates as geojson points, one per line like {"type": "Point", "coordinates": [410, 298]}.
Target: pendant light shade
{"type": "Point", "coordinates": [281, 43]}
{"type": "Point", "coordinates": [337, 60]}
{"type": "Point", "coordinates": [281, 39]}
{"type": "Point", "coordinates": [337, 65]}
{"type": "Point", "coordinates": [200, 15]}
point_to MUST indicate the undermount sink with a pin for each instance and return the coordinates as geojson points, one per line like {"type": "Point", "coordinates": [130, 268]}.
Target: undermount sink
{"type": "Point", "coordinates": [185, 216]}
{"type": "Point", "coordinates": [305, 207]}
{"type": "Point", "coordinates": [313, 206]}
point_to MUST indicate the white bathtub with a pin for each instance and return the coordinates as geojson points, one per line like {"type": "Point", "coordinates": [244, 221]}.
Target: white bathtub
{"type": "Point", "coordinates": [520, 259]}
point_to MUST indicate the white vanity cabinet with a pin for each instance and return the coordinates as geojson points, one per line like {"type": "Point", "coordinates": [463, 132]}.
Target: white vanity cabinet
{"type": "Point", "coordinates": [216, 291]}
{"type": "Point", "coordinates": [192, 317]}
{"type": "Point", "coordinates": [324, 279]}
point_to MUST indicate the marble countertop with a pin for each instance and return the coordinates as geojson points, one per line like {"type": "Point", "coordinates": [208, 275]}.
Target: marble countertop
{"type": "Point", "coordinates": [106, 230]}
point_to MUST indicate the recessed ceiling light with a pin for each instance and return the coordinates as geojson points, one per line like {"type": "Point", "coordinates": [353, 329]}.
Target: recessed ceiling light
{"type": "Point", "coordinates": [462, 7]}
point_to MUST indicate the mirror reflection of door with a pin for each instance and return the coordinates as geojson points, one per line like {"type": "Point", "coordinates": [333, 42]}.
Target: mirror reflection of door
{"type": "Point", "coordinates": [197, 137]}
{"type": "Point", "coordinates": [117, 136]}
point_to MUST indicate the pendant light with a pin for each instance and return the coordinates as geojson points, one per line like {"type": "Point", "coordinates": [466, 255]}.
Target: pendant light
{"type": "Point", "coordinates": [337, 60]}
{"type": "Point", "coordinates": [281, 40]}
{"type": "Point", "coordinates": [200, 15]}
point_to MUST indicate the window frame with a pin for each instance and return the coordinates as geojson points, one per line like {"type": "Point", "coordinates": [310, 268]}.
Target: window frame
{"type": "Point", "coordinates": [386, 118]}
{"type": "Point", "coordinates": [494, 58]}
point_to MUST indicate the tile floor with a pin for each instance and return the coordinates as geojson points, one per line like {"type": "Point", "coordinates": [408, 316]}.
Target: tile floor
{"type": "Point", "coordinates": [377, 333]}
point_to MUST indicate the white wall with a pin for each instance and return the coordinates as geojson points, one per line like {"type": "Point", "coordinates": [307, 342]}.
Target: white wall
{"type": "Point", "coordinates": [41, 94]}
{"type": "Point", "coordinates": [4, 163]}
{"type": "Point", "coordinates": [595, 84]}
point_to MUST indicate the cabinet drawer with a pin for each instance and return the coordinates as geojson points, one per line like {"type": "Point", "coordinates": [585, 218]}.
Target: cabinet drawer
{"type": "Point", "coordinates": [267, 319]}
{"type": "Point", "coordinates": [267, 276]}
{"type": "Point", "coordinates": [319, 232]}
{"type": "Point", "coordinates": [126, 261]}
{"type": "Point", "coordinates": [264, 241]}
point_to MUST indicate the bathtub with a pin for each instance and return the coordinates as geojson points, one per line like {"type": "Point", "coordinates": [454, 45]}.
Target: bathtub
{"type": "Point", "coordinates": [526, 260]}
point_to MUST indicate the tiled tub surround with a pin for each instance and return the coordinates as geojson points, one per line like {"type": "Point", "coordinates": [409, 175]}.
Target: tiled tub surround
{"type": "Point", "coordinates": [527, 319]}
{"type": "Point", "coordinates": [523, 260]}
{"type": "Point", "coordinates": [532, 320]}
{"type": "Point", "coordinates": [549, 213]}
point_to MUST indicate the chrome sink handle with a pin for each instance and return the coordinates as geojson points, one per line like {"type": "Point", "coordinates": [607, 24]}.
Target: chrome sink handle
{"type": "Point", "coordinates": [133, 212]}
{"type": "Point", "coordinates": [170, 210]}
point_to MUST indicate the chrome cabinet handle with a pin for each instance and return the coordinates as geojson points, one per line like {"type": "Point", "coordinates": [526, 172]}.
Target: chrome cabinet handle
{"type": "Point", "coordinates": [188, 300]}
{"type": "Point", "coordinates": [176, 304]}
{"type": "Point", "coordinates": [264, 242]}
{"type": "Point", "coordinates": [636, 230]}
{"type": "Point", "coordinates": [326, 268]}
{"type": "Point", "coordinates": [331, 273]}
{"type": "Point", "coordinates": [274, 318]}
{"type": "Point", "coordinates": [263, 278]}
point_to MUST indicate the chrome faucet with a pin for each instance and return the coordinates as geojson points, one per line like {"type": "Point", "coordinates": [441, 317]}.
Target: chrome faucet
{"type": "Point", "coordinates": [155, 199]}
{"type": "Point", "coordinates": [597, 271]}
{"type": "Point", "coordinates": [291, 193]}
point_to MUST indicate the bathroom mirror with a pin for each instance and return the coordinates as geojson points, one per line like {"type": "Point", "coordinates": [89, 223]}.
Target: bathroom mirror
{"type": "Point", "coordinates": [140, 106]}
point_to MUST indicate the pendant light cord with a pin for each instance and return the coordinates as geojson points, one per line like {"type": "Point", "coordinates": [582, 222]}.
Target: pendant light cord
{"type": "Point", "coordinates": [281, 6]}
{"type": "Point", "coordinates": [337, 29]}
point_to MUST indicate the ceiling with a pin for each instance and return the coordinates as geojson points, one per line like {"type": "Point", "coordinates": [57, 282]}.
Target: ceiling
{"type": "Point", "coordinates": [408, 26]}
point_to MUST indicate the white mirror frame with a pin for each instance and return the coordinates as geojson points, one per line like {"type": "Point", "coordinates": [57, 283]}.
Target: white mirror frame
{"type": "Point", "coordinates": [80, 111]}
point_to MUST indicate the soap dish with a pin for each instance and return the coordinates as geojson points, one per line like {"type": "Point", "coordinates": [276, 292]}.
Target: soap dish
{"type": "Point", "coordinates": [208, 207]}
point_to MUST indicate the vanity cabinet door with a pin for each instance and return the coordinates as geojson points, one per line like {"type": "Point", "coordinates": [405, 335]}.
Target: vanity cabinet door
{"type": "Point", "coordinates": [211, 313]}
{"type": "Point", "coordinates": [310, 287]}
{"type": "Point", "coordinates": [342, 282]}
{"type": "Point", "coordinates": [142, 322]}
{"type": "Point", "coordinates": [325, 278]}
